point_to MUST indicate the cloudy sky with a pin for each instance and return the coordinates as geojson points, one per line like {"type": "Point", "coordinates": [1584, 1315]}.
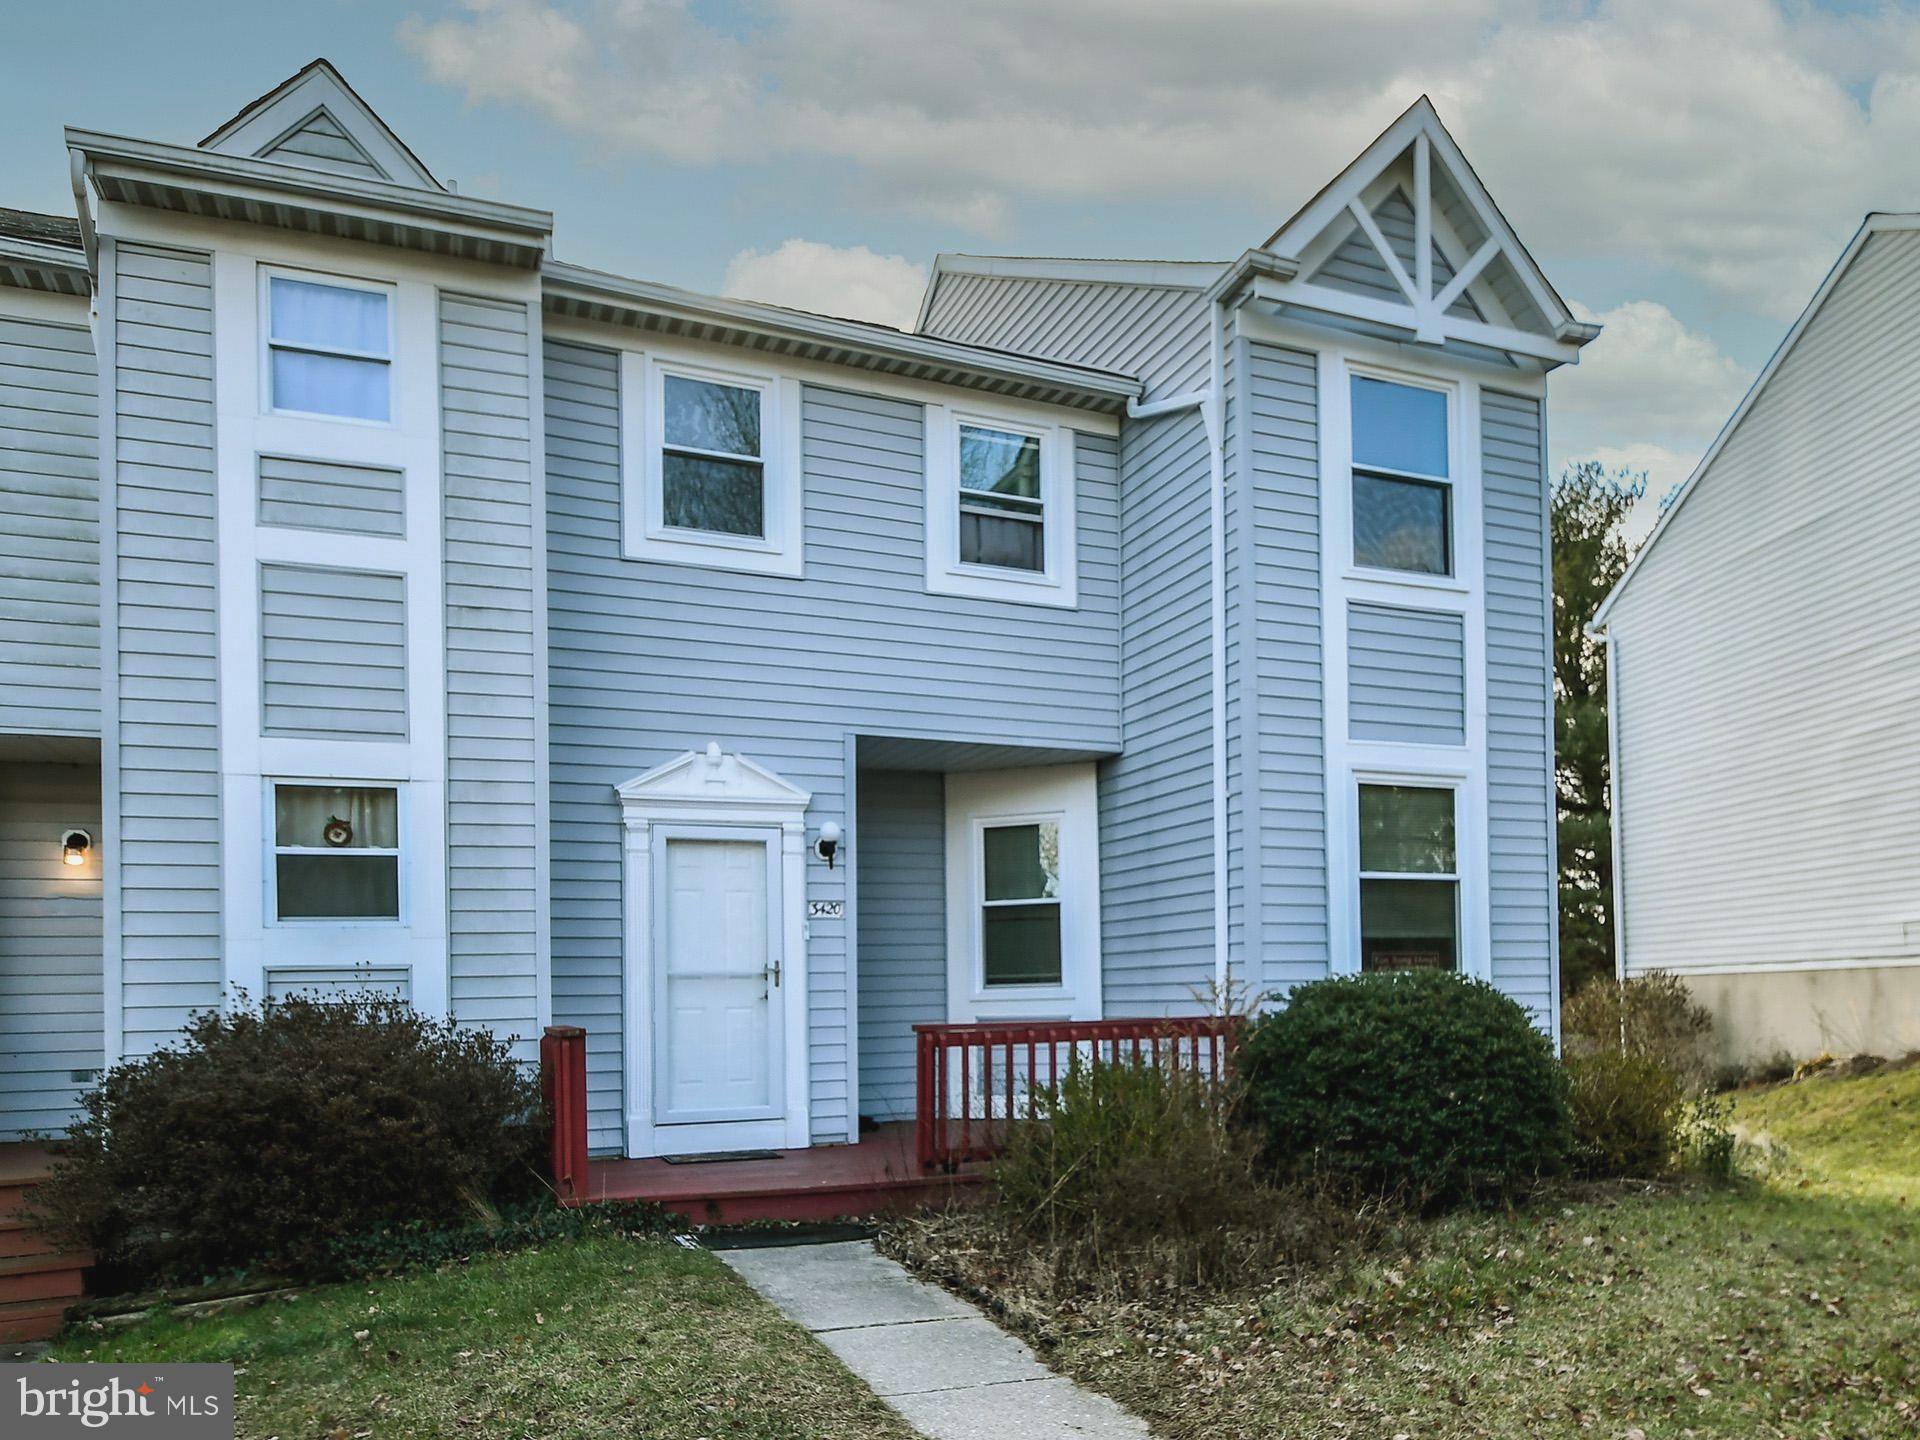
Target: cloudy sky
{"type": "Point", "coordinates": [1685, 170]}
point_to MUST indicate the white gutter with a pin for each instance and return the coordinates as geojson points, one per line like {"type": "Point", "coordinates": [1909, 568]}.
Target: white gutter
{"type": "Point", "coordinates": [1212, 416]}
{"type": "Point", "coordinates": [1619, 915]}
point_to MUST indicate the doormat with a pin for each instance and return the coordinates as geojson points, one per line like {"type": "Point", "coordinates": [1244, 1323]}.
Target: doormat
{"type": "Point", "coordinates": [719, 1156]}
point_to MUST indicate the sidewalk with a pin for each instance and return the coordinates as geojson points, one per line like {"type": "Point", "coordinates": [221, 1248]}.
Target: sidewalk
{"type": "Point", "coordinates": [949, 1370]}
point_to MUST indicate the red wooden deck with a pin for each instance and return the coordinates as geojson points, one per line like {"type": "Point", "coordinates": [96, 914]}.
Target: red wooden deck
{"type": "Point", "coordinates": [38, 1280]}
{"type": "Point", "coordinates": [827, 1182]}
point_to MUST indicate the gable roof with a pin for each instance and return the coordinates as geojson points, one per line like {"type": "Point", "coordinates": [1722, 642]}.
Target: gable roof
{"type": "Point", "coordinates": [316, 120]}
{"type": "Point", "coordinates": [1405, 241]}
{"type": "Point", "coordinates": [1877, 223]}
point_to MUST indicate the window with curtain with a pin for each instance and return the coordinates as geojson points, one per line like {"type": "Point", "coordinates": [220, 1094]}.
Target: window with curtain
{"type": "Point", "coordinates": [1402, 491]}
{"type": "Point", "coordinates": [712, 469]}
{"type": "Point", "coordinates": [329, 349]}
{"type": "Point", "coordinates": [1002, 506]}
{"type": "Point", "coordinates": [1020, 905]}
{"type": "Point", "coordinates": [1409, 879]}
{"type": "Point", "coordinates": [336, 852]}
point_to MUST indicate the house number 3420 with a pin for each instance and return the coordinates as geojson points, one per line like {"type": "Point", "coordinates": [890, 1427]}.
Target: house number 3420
{"type": "Point", "coordinates": [826, 909]}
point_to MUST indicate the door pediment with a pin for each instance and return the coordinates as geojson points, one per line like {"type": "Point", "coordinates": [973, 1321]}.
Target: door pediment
{"type": "Point", "coordinates": [711, 784]}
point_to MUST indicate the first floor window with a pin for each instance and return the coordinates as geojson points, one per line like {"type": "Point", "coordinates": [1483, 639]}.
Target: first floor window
{"type": "Point", "coordinates": [1402, 496]}
{"type": "Point", "coordinates": [1409, 878]}
{"type": "Point", "coordinates": [712, 473]}
{"type": "Point", "coordinates": [1020, 908]}
{"type": "Point", "coordinates": [329, 349]}
{"type": "Point", "coordinates": [336, 852]}
{"type": "Point", "coordinates": [1003, 518]}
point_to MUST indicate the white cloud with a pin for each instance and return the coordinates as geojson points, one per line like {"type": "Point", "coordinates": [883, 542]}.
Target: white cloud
{"type": "Point", "coordinates": [1727, 139]}
{"type": "Point", "coordinates": [1648, 396]}
{"type": "Point", "coordinates": [853, 282]}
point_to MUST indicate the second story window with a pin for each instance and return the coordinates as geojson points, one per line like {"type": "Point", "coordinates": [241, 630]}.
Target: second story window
{"type": "Point", "coordinates": [1003, 515]}
{"type": "Point", "coordinates": [710, 463]}
{"type": "Point", "coordinates": [712, 476]}
{"type": "Point", "coordinates": [1402, 490]}
{"type": "Point", "coordinates": [1000, 506]}
{"type": "Point", "coordinates": [329, 349]}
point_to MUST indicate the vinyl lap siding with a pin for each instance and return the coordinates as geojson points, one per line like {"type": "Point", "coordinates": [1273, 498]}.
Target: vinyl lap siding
{"type": "Point", "coordinates": [1406, 674]}
{"type": "Point", "coordinates": [319, 143]}
{"type": "Point", "coordinates": [1520, 820]}
{"type": "Point", "coordinates": [1156, 799]}
{"type": "Point", "coordinates": [50, 545]}
{"type": "Point", "coordinates": [649, 659]}
{"type": "Point", "coordinates": [50, 998]}
{"type": "Point", "coordinates": [903, 939]}
{"type": "Point", "coordinates": [1356, 265]}
{"type": "Point", "coordinates": [330, 982]}
{"type": "Point", "coordinates": [165, 818]}
{"type": "Point", "coordinates": [1768, 664]}
{"type": "Point", "coordinates": [1287, 903]}
{"type": "Point", "coordinates": [1156, 332]}
{"type": "Point", "coordinates": [495, 928]}
{"type": "Point", "coordinates": [333, 653]}
{"type": "Point", "coordinates": [307, 494]}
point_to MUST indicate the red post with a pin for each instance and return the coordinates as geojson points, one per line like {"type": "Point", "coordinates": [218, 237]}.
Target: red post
{"type": "Point", "coordinates": [563, 1077]}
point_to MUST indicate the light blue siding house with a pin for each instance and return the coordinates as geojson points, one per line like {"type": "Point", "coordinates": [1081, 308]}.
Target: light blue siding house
{"type": "Point", "coordinates": [390, 603]}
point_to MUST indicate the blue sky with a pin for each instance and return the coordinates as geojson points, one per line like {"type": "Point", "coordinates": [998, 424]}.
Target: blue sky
{"type": "Point", "coordinates": [1685, 171]}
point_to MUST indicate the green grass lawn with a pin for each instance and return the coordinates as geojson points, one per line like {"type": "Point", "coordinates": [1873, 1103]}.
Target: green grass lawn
{"type": "Point", "coordinates": [1787, 1305]}
{"type": "Point", "coordinates": [591, 1338]}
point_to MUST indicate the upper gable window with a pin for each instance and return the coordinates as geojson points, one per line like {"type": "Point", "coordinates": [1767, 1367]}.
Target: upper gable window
{"type": "Point", "coordinates": [1402, 490]}
{"type": "Point", "coordinates": [329, 348]}
{"type": "Point", "coordinates": [1000, 503]}
{"type": "Point", "coordinates": [711, 465]}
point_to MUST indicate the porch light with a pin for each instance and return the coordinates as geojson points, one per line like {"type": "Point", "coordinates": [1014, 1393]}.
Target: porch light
{"type": "Point", "coordinates": [828, 845]}
{"type": "Point", "coordinates": [74, 846]}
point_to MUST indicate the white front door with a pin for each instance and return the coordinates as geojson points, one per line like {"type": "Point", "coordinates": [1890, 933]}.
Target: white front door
{"type": "Point", "coordinates": [717, 1031]}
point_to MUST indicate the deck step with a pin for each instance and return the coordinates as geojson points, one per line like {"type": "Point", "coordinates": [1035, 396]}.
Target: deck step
{"type": "Point", "coordinates": [31, 1320]}
{"type": "Point", "coordinates": [13, 1197]}
{"type": "Point", "coordinates": [66, 1285]}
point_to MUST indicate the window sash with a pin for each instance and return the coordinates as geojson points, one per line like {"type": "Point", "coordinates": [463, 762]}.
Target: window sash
{"type": "Point", "coordinates": [345, 854]}
{"type": "Point", "coordinates": [1440, 486]}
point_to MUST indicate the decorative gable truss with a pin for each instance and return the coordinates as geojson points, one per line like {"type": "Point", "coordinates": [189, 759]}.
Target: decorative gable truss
{"type": "Point", "coordinates": [316, 120]}
{"type": "Point", "coordinates": [1407, 241]}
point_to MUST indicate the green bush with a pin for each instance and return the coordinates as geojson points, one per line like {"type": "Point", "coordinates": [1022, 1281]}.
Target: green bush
{"type": "Point", "coordinates": [272, 1133]}
{"type": "Point", "coordinates": [1422, 1082]}
{"type": "Point", "coordinates": [1704, 1139]}
{"type": "Point", "coordinates": [1654, 1016]}
{"type": "Point", "coordinates": [1127, 1160]}
{"type": "Point", "coordinates": [1626, 1113]}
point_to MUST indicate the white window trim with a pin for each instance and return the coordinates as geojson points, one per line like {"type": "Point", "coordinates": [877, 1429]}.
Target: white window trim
{"type": "Point", "coordinates": [977, 800]}
{"type": "Point", "coordinates": [391, 359]}
{"type": "Point", "coordinates": [1454, 877]}
{"type": "Point", "coordinates": [1351, 762]}
{"type": "Point", "coordinates": [1058, 583]}
{"type": "Point", "coordinates": [270, 869]}
{"type": "Point", "coordinates": [644, 533]}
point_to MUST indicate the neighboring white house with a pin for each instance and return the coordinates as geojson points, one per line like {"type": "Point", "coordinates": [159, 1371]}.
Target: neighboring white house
{"type": "Point", "coordinates": [1764, 663]}
{"type": "Point", "coordinates": [402, 605]}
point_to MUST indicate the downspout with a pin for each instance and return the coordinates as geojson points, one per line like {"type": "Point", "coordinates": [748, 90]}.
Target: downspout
{"type": "Point", "coordinates": [89, 240]}
{"type": "Point", "coordinates": [1212, 417]}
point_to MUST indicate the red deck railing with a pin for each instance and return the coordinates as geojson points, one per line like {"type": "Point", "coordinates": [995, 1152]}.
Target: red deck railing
{"type": "Point", "coordinates": [975, 1079]}
{"type": "Point", "coordinates": [563, 1076]}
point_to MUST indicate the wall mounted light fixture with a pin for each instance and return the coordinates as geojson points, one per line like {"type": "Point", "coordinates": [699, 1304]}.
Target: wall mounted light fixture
{"type": "Point", "coordinates": [828, 845]}
{"type": "Point", "coordinates": [74, 847]}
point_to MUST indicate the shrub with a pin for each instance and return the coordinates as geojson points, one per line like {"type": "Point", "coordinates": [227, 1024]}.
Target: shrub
{"type": "Point", "coordinates": [1127, 1159]}
{"type": "Point", "coordinates": [1626, 1113]}
{"type": "Point", "coordinates": [1654, 1016]}
{"type": "Point", "coordinates": [1705, 1139]}
{"type": "Point", "coordinates": [272, 1133]}
{"type": "Point", "coordinates": [1421, 1082]}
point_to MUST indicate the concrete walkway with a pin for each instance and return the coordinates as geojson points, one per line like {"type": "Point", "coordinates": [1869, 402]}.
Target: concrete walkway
{"type": "Point", "coordinates": [949, 1370]}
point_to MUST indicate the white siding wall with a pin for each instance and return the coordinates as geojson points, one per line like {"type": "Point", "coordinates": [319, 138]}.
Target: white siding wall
{"type": "Point", "coordinates": [165, 817]}
{"type": "Point", "coordinates": [49, 945]}
{"type": "Point", "coordinates": [50, 541]}
{"type": "Point", "coordinates": [903, 933]}
{"type": "Point", "coordinates": [1768, 665]}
